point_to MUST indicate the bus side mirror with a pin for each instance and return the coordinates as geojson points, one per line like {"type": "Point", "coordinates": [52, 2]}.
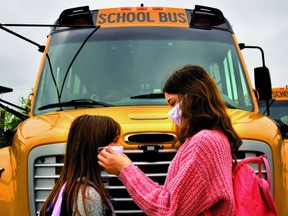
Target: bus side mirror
{"type": "Point", "coordinates": [263, 83]}
{"type": "Point", "coordinates": [261, 76]}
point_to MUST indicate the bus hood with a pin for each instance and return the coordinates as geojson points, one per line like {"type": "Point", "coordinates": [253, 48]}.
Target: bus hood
{"type": "Point", "coordinates": [54, 127]}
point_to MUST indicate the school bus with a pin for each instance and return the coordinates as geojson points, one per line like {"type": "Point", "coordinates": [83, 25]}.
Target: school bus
{"type": "Point", "coordinates": [277, 109]}
{"type": "Point", "coordinates": [114, 62]}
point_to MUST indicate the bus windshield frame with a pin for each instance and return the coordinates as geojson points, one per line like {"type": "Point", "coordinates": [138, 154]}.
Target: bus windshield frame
{"type": "Point", "coordinates": [116, 65]}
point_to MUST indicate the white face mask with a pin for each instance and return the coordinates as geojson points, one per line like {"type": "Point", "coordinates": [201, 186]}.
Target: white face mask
{"type": "Point", "coordinates": [175, 114]}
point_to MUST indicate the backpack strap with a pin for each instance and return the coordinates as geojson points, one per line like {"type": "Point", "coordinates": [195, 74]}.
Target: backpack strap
{"type": "Point", "coordinates": [267, 168]}
{"type": "Point", "coordinates": [57, 207]}
{"type": "Point", "coordinates": [259, 160]}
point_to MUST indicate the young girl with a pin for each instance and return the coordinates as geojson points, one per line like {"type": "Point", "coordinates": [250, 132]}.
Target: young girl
{"type": "Point", "coordinates": [83, 192]}
{"type": "Point", "coordinates": [199, 177]}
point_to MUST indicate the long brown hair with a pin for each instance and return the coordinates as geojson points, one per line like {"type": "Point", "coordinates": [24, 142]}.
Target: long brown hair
{"type": "Point", "coordinates": [201, 104]}
{"type": "Point", "coordinates": [86, 134]}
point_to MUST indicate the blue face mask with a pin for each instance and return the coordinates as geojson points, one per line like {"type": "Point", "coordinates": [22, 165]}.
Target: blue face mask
{"type": "Point", "coordinates": [176, 114]}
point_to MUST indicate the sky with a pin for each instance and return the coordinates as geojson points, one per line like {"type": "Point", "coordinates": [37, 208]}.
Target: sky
{"type": "Point", "coordinates": [255, 23]}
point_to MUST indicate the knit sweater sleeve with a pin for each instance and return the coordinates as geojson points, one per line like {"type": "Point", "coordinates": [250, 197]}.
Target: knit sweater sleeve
{"type": "Point", "coordinates": [198, 178]}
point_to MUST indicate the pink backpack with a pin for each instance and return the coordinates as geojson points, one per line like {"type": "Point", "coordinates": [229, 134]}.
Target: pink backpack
{"type": "Point", "coordinates": [251, 191]}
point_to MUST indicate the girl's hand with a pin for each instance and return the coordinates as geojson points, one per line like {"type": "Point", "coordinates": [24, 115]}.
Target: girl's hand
{"type": "Point", "coordinates": [112, 161]}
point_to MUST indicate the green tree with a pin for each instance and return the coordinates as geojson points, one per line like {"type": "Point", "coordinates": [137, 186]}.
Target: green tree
{"type": "Point", "coordinates": [10, 123]}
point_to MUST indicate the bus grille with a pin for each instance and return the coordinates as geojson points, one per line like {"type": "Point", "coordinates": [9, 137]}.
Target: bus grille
{"type": "Point", "coordinates": [47, 162]}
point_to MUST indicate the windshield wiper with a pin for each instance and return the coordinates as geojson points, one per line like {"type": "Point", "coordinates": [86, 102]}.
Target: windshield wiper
{"type": "Point", "coordinates": [74, 58]}
{"type": "Point", "coordinates": [148, 96]}
{"type": "Point", "coordinates": [76, 103]}
{"type": "Point", "coordinates": [230, 106]}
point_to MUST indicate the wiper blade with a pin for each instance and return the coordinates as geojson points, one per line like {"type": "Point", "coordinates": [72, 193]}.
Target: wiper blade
{"type": "Point", "coordinates": [76, 103]}
{"type": "Point", "coordinates": [148, 96]}
{"type": "Point", "coordinates": [230, 105]}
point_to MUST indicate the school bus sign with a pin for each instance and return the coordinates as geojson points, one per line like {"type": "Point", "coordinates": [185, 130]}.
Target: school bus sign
{"type": "Point", "coordinates": [280, 93]}
{"type": "Point", "coordinates": [143, 16]}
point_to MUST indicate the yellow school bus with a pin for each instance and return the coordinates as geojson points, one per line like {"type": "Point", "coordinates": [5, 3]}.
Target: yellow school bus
{"type": "Point", "coordinates": [280, 93]}
{"type": "Point", "coordinates": [277, 109]}
{"type": "Point", "coordinates": [114, 62]}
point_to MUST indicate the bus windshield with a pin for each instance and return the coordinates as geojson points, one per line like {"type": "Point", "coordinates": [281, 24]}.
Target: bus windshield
{"type": "Point", "coordinates": [128, 66]}
{"type": "Point", "coordinates": [278, 110]}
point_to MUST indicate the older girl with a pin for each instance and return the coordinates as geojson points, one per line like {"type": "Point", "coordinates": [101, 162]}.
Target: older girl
{"type": "Point", "coordinates": [199, 178]}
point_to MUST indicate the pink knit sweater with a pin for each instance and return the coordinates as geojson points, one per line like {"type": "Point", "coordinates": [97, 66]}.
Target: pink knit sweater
{"type": "Point", "coordinates": [199, 178]}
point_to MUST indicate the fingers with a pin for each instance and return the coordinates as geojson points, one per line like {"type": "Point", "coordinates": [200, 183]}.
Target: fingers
{"type": "Point", "coordinates": [112, 161]}
{"type": "Point", "coordinates": [109, 165]}
{"type": "Point", "coordinates": [101, 160]}
{"type": "Point", "coordinates": [101, 164]}
{"type": "Point", "coordinates": [106, 159]}
{"type": "Point", "coordinates": [104, 162]}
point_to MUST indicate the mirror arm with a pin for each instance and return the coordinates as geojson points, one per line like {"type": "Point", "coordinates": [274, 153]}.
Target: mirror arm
{"type": "Point", "coordinates": [243, 46]}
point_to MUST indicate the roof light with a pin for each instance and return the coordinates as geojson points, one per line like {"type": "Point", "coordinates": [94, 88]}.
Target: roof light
{"type": "Point", "coordinates": [157, 8]}
{"type": "Point", "coordinates": [142, 8]}
{"type": "Point", "coordinates": [125, 8]}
